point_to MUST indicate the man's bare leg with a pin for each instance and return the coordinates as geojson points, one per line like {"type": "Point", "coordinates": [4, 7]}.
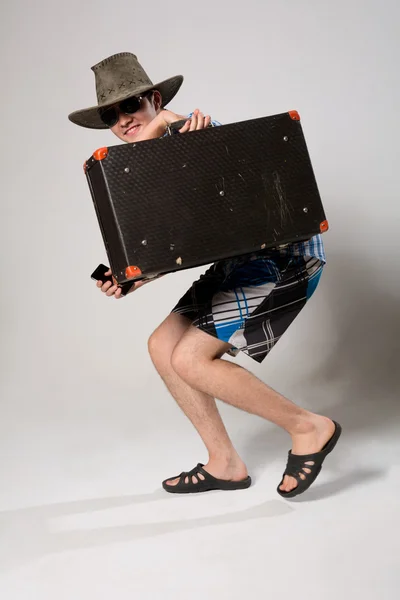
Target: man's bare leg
{"type": "Point", "coordinates": [189, 361]}
{"type": "Point", "coordinates": [224, 462]}
{"type": "Point", "coordinates": [197, 360]}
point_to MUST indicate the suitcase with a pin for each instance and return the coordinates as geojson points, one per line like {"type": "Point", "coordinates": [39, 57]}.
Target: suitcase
{"type": "Point", "coordinates": [182, 201]}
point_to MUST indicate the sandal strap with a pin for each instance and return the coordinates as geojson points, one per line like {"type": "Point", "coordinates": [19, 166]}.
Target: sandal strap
{"type": "Point", "coordinates": [194, 472]}
{"type": "Point", "coordinates": [298, 463]}
{"type": "Point", "coordinates": [305, 457]}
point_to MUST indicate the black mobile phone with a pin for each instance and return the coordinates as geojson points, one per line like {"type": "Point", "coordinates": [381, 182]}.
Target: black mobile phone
{"type": "Point", "coordinates": [99, 275]}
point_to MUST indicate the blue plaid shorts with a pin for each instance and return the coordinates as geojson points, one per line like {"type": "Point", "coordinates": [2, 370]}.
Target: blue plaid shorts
{"type": "Point", "coordinates": [250, 301]}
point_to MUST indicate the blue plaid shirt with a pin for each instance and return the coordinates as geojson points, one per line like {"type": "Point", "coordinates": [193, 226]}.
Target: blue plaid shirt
{"type": "Point", "coordinates": [313, 247]}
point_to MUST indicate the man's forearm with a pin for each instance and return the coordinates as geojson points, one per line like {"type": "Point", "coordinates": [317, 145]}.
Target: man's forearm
{"type": "Point", "coordinates": [155, 129]}
{"type": "Point", "coordinates": [158, 126]}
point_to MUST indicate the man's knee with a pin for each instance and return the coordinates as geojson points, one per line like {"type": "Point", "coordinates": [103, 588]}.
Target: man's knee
{"type": "Point", "coordinates": [188, 363]}
{"type": "Point", "coordinates": [181, 363]}
{"type": "Point", "coordinates": [191, 357]}
{"type": "Point", "coordinates": [163, 340]}
{"type": "Point", "coordinates": [153, 343]}
{"type": "Point", "coordinates": [158, 348]}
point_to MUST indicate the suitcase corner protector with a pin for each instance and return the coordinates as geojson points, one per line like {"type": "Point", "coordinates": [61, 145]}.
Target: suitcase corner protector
{"type": "Point", "coordinates": [100, 153]}
{"type": "Point", "coordinates": [132, 272]}
{"type": "Point", "coordinates": [294, 115]}
{"type": "Point", "coordinates": [324, 226]}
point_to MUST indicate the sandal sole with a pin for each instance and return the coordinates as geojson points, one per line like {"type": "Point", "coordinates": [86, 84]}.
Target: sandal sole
{"type": "Point", "coordinates": [194, 488]}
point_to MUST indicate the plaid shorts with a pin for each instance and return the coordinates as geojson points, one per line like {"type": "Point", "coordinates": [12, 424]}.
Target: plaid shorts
{"type": "Point", "coordinates": [250, 301]}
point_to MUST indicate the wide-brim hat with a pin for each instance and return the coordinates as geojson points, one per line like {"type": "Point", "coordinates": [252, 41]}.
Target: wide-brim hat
{"type": "Point", "coordinates": [118, 77]}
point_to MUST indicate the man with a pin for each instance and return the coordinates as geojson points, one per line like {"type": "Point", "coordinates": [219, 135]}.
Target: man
{"type": "Point", "coordinates": [245, 303]}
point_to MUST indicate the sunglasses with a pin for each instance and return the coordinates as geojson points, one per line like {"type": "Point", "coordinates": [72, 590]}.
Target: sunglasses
{"type": "Point", "coordinates": [110, 116]}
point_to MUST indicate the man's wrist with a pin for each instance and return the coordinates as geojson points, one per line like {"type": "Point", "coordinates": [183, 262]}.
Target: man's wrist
{"type": "Point", "coordinates": [162, 118]}
{"type": "Point", "coordinates": [156, 128]}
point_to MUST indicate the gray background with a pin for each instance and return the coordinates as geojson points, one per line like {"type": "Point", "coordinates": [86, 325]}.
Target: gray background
{"type": "Point", "coordinates": [87, 431]}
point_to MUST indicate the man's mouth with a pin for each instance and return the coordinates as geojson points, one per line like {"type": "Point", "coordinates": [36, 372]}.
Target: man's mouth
{"type": "Point", "coordinates": [132, 130]}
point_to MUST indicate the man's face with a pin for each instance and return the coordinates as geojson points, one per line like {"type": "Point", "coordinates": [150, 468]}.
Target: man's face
{"type": "Point", "coordinates": [129, 126]}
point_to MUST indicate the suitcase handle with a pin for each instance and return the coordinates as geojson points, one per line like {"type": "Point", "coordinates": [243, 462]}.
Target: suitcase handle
{"type": "Point", "coordinates": [177, 125]}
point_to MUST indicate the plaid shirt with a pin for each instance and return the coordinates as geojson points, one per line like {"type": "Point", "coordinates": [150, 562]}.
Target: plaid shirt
{"type": "Point", "coordinates": [313, 247]}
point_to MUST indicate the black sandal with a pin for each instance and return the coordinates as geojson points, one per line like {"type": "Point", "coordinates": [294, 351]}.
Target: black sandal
{"type": "Point", "coordinates": [305, 468]}
{"type": "Point", "coordinates": [190, 482]}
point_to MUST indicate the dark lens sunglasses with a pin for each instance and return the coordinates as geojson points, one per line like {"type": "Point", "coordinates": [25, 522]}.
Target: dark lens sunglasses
{"type": "Point", "coordinates": [110, 116]}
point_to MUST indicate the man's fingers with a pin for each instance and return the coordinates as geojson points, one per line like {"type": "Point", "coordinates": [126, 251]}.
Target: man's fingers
{"type": "Point", "coordinates": [106, 286]}
{"type": "Point", "coordinates": [111, 291]}
{"type": "Point", "coordinates": [200, 121]}
{"type": "Point", "coordinates": [196, 122]}
{"type": "Point", "coordinates": [186, 127]}
{"type": "Point", "coordinates": [193, 121]}
{"type": "Point", "coordinates": [114, 290]}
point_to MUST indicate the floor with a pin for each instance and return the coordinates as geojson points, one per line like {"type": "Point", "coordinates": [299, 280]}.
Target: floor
{"type": "Point", "coordinates": [83, 516]}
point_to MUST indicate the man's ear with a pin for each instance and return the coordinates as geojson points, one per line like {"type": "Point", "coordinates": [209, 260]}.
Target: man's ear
{"type": "Point", "coordinates": [157, 100]}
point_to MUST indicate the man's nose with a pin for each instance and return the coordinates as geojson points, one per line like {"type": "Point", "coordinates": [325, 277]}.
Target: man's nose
{"type": "Point", "coordinates": [124, 119]}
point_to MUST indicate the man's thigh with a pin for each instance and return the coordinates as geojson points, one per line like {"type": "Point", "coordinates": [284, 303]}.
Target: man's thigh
{"type": "Point", "coordinates": [167, 335]}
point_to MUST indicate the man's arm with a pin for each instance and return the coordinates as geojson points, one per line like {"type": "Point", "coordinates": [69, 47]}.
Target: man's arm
{"type": "Point", "coordinates": [158, 126]}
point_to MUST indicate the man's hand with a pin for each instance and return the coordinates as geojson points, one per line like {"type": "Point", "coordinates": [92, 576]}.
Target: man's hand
{"type": "Point", "coordinates": [113, 290]}
{"type": "Point", "coordinates": [196, 122]}
{"type": "Point", "coordinates": [157, 127]}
